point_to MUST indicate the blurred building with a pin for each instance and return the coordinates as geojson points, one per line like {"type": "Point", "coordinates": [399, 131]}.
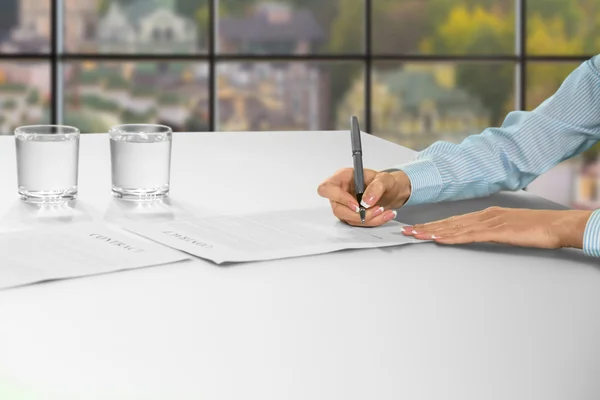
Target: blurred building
{"type": "Point", "coordinates": [25, 85]}
{"type": "Point", "coordinates": [32, 32]}
{"type": "Point", "coordinates": [249, 96]}
{"type": "Point", "coordinates": [273, 96]}
{"type": "Point", "coordinates": [20, 105]}
{"type": "Point", "coordinates": [416, 106]}
{"type": "Point", "coordinates": [150, 92]}
{"type": "Point", "coordinates": [268, 96]}
{"type": "Point", "coordinates": [273, 28]}
{"type": "Point", "coordinates": [146, 26]}
{"type": "Point", "coordinates": [81, 25]}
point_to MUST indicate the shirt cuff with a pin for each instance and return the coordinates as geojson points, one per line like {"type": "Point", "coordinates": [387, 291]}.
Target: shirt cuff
{"type": "Point", "coordinates": [591, 235]}
{"type": "Point", "coordinates": [425, 181]}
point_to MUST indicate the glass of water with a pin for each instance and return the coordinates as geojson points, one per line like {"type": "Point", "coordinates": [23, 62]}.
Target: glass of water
{"type": "Point", "coordinates": [47, 163]}
{"type": "Point", "coordinates": [140, 161]}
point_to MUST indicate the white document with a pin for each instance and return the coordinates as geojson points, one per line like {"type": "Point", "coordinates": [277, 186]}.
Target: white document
{"type": "Point", "coordinates": [268, 235]}
{"type": "Point", "coordinates": [77, 250]}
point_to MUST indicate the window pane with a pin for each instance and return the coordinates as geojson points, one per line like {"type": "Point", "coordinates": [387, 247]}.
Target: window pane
{"type": "Point", "coordinates": [288, 95]}
{"type": "Point", "coordinates": [24, 94]}
{"type": "Point", "coordinates": [292, 27]}
{"type": "Point", "coordinates": [563, 27]}
{"type": "Point", "coordinates": [136, 26]}
{"type": "Point", "coordinates": [443, 26]}
{"type": "Point", "coordinates": [25, 26]}
{"type": "Point", "coordinates": [100, 95]}
{"type": "Point", "coordinates": [543, 79]}
{"type": "Point", "coordinates": [417, 104]}
{"type": "Point", "coordinates": [573, 182]}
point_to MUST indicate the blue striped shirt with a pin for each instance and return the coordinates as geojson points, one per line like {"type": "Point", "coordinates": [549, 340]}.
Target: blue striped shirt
{"type": "Point", "coordinates": [527, 144]}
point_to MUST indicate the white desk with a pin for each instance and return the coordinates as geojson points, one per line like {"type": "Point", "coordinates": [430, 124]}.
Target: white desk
{"type": "Point", "coordinates": [412, 322]}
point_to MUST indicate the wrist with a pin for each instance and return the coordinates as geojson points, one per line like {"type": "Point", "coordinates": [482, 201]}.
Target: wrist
{"type": "Point", "coordinates": [571, 228]}
{"type": "Point", "coordinates": [404, 187]}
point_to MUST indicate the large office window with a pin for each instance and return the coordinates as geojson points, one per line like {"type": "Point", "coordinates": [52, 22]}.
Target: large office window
{"type": "Point", "coordinates": [414, 71]}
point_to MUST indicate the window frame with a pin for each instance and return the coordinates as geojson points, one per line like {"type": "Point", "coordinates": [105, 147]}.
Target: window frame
{"type": "Point", "coordinates": [56, 57]}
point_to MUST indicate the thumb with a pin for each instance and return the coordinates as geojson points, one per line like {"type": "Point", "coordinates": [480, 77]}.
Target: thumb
{"type": "Point", "coordinates": [376, 189]}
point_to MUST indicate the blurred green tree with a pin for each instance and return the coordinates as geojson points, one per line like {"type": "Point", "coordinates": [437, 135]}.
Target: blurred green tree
{"type": "Point", "coordinates": [476, 30]}
{"type": "Point", "coordinates": [343, 23]}
{"type": "Point", "coordinates": [548, 36]}
{"type": "Point", "coordinates": [569, 11]}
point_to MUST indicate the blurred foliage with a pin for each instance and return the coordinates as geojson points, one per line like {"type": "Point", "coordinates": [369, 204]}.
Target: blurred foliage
{"type": "Point", "coordinates": [475, 30]}
{"type": "Point", "coordinates": [446, 27]}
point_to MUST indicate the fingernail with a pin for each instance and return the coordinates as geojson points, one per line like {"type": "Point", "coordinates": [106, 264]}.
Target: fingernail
{"type": "Point", "coordinates": [433, 237]}
{"type": "Point", "coordinates": [390, 216]}
{"type": "Point", "coordinates": [415, 232]}
{"type": "Point", "coordinates": [408, 228]}
{"type": "Point", "coordinates": [378, 211]}
{"type": "Point", "coordinates": [354, 207]}
{"type": "Point", "coordinates": [367, 202]}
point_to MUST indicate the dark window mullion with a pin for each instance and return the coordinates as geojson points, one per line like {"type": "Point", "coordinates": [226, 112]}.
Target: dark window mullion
{"type": "Point", "coordinates": [368, 66]}
{"type": "Point", "coordinates": [521, 31]}
{"type": "Point", "coordinates": [521, 58]}
{"type": "Point", "coordinates": [293, 57]}
{"type": "Point", "coordinates": [212, 37]}
{"type": "Point", "coordinates": [54, 61]}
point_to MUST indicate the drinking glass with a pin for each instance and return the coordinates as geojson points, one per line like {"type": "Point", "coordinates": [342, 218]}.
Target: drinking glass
{"type": "Point", "coordinates": [140, 161]}
{"type": "Point", "coordinates": [47, 163]}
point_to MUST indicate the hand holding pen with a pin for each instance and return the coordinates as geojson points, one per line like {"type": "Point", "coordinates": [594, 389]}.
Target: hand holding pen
{"type": "Point", "coordinates": [384, 192]}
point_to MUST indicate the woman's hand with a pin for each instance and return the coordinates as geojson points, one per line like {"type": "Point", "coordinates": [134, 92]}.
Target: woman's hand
{"type": "Point", "coordinates": [518, 227]}
{"type": "Point", "coordinates": [383, 193]}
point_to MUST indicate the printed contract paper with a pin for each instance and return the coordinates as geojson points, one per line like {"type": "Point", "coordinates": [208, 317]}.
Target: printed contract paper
{"type": "Point", "coordinates": [78, 250]}
{"type": "Point", "coordinates": [268, 235]}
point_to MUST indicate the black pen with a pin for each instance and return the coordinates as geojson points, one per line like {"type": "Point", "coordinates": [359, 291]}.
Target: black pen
{"type": "Point", "coordinates": [359, 178]}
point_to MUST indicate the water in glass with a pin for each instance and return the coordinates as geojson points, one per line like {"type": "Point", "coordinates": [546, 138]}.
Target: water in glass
{"type": "Point", "coordinates": [47, 163]}
{"type": "Point", "coordinates": [141, 161]}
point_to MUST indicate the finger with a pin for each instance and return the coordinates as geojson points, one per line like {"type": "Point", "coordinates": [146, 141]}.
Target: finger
{"type": "Point", "coordinates": [495, 230]}
{"type": "Point", "coordinates": [376, 189]}
{"type": "Point", "coordinates": [345, 178]}
{"type": "Point", "coordinates": [337, 194]}
{"type": "Point", "coordinates": [457, 221]}
{"type": "Point", "coordinates": [340, 187]}
{"type": "Point", "coordinates": [450, 231]}
{"type": "Point", "coordinates": [342, 177]}
{"type": "Point", "coordinates": [474, 236]}
{"type": "Point", "coordinates": [374, 212]}
{"type": "Point", "coordinates": [376, 221]}
{"type": "Point", "coordinates": [443, 232]}
{"type": "Point", "coordinates": [374, 217]}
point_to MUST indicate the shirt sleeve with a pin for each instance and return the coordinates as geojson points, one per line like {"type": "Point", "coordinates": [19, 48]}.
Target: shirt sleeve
{"type": "Point", "coordinates": [513, 155]}
{"type": "Point", "coordinates": [591, 235]}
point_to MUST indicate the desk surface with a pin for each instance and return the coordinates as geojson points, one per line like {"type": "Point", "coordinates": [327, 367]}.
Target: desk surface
{"type": "Point", "coordinates": [412, 322]}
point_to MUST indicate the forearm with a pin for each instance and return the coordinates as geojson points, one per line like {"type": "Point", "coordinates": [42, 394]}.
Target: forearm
{"type": "Point", "coordinates": [511, 156]}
